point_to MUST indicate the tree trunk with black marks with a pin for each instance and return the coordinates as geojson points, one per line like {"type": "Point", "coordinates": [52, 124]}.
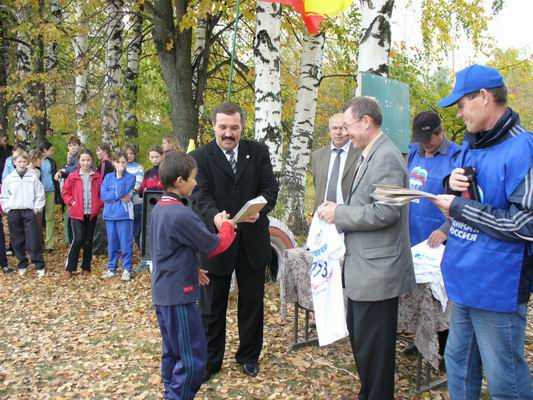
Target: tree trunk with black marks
{"type": "Point", "coordinates": [267, 81]}
{"type": "Point", "coordinates": [51, 53]}
{"type": "Point", "coordinates": [4, 57]}
{"type": "Point", "coordinates": [81, 93]}
{"type": "Point", "coordinates": [113, 73]}
{"type": "Point", "coordinates": [294, 177]}
{"type": "Point", "coordinates": [374, 47]}
{"type": "Point", "coordinates": [132, 72]}
{"type": "Point", "coordinates": [23, 123]}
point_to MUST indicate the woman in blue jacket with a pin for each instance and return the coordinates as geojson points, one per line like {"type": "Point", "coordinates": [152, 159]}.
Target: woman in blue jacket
{"type": "Point", "coordinates": [116, 194]}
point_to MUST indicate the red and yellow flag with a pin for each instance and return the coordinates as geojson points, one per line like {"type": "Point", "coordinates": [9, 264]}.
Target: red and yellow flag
{"type": "Point", "coordinates": [314, 12]}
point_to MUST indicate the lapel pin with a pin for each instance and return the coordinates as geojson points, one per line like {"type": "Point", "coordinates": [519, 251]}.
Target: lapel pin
{"type": "Point", "coordinates": [247, 156]}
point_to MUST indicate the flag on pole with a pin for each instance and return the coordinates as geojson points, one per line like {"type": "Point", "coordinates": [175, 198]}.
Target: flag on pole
{"type": "Point", "coordinates": [314, 12]}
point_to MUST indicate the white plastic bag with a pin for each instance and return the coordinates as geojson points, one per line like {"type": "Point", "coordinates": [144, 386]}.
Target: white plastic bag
{"type": "Point", "coordinates": [328, 248]}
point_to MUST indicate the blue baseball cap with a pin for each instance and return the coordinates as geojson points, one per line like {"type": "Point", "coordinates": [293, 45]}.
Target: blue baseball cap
{"type": "Point", "coordinates": [471, 79]}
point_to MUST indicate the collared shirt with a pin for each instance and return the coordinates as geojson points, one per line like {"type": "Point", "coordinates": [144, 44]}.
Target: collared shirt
{"type": "Point", "coordinates": [443, 148]}
{"type": "Point", "coordinates": [369, 145]}
{"type": "Point", "coordinates": [332, 156]}
{"type": "Point", "coordinates": [87, 198]}
{"type": "Point", "coordinates": [235, 152]}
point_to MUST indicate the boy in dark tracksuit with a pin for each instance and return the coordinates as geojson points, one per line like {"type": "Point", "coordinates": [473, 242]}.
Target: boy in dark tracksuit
{"type": "Point", "coordinates": [177, 234]}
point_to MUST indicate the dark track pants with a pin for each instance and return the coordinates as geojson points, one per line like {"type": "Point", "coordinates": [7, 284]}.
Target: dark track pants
{"type": "Point", "coordinates": [82, 237]}
{"type": "Point", "coordinates": [184, 350]}
{"type": "Point", "coordinates": [24, 234]}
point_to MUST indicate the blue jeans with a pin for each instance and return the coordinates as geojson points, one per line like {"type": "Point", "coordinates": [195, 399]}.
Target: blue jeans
{"type": "Point", "coordinates": [490, 342]}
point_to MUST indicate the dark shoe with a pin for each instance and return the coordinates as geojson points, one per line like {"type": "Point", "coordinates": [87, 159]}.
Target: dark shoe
{"type": "Point", "coordinates": [85, 273]}
{"type": "Point", "coordinates": [7, 269]}
{"type": "Point", "coordinates": [250, 369]}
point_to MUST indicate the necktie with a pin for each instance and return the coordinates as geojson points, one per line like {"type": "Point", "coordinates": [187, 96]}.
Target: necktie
{"type": "Point", "coordinates": [334, 177]}
{"type": "Point", "coordinates": [232, 162]}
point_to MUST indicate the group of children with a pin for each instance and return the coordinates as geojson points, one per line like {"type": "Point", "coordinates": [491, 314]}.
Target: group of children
{"type": "Point", "coordinates": [176, 233]}
{"type": "Point", "coordinates": [111, 190]}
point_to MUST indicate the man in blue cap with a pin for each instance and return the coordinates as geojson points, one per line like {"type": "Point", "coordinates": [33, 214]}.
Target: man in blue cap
{"type": "Point", "coordinates": [488, 262]}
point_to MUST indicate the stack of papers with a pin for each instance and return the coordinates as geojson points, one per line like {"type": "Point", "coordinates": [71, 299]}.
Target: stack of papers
{"type": "Point", "coordinates": [397, 195]}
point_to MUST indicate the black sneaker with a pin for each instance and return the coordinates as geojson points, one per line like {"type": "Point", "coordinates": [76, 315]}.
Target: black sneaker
{"type": "Point", "coordinates": [7, 269]}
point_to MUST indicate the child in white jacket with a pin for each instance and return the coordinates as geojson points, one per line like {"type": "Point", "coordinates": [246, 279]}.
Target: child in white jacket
{"type": "Point", "coordinates": [21, 198]}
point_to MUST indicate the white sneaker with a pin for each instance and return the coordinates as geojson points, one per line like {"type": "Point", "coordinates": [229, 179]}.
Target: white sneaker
{"type": "Point", "coordinates": [126, 276]}
{"type": "Point", "coordinates": [22, 271]}
{"type": "Point", "coordinates": [41, 273]}
{"type": "Point", "coordinates": [108, 275]}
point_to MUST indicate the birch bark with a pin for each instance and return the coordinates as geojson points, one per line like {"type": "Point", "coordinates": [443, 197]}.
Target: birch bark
{"type": "Point", "coordinates": [132, 72]}
{"type": "Point", "coordinates": [267, 81]}
{"type": "Point", "coordinates": [374, 47]}
{"type": "Point", "coordinates": [22, 116]}
{"type": "Point", "coordinates": [81, 92]}
{"type": "Point", "coordinates": [113, 72]}
{"type": "Point", "coordinates": [294, 176]}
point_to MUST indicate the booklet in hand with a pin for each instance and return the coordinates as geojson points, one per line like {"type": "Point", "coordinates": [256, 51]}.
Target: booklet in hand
{"type": "Point", "coordinates": [251, 208]}
{"type": "Point", "coordinates": [397, 195]}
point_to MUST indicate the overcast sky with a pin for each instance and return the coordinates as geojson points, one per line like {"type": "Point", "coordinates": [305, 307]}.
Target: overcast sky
{"type": "Point", "coordinates": [510, 28]}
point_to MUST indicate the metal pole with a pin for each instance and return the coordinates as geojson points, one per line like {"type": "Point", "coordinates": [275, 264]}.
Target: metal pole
{"type": "Point", "coordinates": [234, 47]}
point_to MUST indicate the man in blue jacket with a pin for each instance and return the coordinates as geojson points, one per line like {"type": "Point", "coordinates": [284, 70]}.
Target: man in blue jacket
{"type": "Point", "coordinates": [430, 159]}
{"type": "Point", "coordinates": [488, 262]}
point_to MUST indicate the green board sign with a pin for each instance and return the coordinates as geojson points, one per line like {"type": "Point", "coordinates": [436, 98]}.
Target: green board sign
{"type": "Point", "coordinates": [393, 97]}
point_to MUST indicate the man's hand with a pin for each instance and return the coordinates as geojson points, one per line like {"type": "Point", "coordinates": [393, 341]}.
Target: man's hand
{"type": "Point", "coordinates": [443, 202]}
{"type": "Point", "coordinates": [458, 181]}
{"type": "Point", "coordinates": [251, 219]}
{"type": "Point", "coordinates": [436, 238]}
{"type": "Point", "coordinates": [326, 211]}
{"type": "Point", "coordinates": [202, 277]}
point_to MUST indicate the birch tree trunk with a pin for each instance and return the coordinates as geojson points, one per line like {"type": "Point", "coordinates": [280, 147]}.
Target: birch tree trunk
{"type": "Point", "coordinates": [267, 81]}
{"type": "Point", "coordinates": [132, 72]}
{"type": "Point", "coordinates": [374, 47]}
{"type": "Point", "coordinates": [81, 93]}
{"type": "Point", "coordinates": [113, 72]}
{"type": "Point", "coordinates": [51, 52]}
{"type": "Point", "coordinates": [197, 61]}
{"type": "Point", "coordinates": [294, 177]}
{"type": "Point", "coordinates": [22, 115]}
{"type": "Point", "coordinates": [4, 57]}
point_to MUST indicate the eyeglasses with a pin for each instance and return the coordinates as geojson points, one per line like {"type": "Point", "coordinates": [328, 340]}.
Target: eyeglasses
{"type": "Point", "coordinates": [346, 127]}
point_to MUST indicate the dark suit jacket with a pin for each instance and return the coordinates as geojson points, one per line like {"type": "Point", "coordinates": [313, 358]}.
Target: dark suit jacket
{"type": "Point", "coordinates": [218, 189]}
{"type": "Point", "coordinates": [320, 163]}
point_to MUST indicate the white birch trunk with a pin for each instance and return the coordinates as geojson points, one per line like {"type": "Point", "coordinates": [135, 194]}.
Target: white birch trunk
{"type": "Point", "coordinates": [267, 81]}
{"type": "Point", "coordinates": [113, 72]}
{"type": "Point", "coordinates": [23, 120]}
{"type": "Point", "coordinates": [198, 51]}
{"type": "Point", "coordinates": [294, 177]}
{"type": "Point", "coordinates": [81, 93]}
{"type": "Point", "coordinates": [51, 53]}
{"type": "Point", "coordinates": [374, 47]}
{"type": "Point", "coordinates": [132, 72]}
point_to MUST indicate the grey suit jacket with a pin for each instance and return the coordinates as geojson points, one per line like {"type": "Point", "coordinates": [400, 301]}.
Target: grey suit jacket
{"type": "Point", "coordinates": [378, 263]}
{"type": "Point", "coordinates": [320, 164]}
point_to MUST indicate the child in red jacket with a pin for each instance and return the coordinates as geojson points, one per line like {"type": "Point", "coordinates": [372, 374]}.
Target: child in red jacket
{"type": "Point", "coordinates": [81, 193]}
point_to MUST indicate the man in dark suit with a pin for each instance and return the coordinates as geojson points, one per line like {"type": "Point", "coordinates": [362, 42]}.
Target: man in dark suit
{"type": "Point", "coordinates": [232, 171]}
{"type": "Point", "coordinates": [334, 165]}
{"type": "Point", "coordinates": [378, 265]}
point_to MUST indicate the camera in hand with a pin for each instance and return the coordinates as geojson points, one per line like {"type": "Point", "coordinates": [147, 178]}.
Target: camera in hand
{"type": "Point", "coordinates": [472, 192]}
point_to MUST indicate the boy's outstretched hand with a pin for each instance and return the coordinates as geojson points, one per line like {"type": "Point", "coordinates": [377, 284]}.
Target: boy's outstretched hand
{"type": "Point", "coordinates": [222, 217]}
{"type": "Point", "coordinates": [202, 277]}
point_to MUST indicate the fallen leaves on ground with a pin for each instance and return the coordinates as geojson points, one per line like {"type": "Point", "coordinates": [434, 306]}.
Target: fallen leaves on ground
{"type": "Point", "coordinates": [86, 338]}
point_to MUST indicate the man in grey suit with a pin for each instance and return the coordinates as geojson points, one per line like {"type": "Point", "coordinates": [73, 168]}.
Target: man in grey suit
{"type": "Point", "coordinates": [334, 165]}
{"type": "Point", "coordinates": [378, 266]}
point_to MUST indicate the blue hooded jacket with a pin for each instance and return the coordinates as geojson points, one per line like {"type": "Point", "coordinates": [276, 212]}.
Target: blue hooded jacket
{"type": "Point", "coordinates": [112, 190]}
